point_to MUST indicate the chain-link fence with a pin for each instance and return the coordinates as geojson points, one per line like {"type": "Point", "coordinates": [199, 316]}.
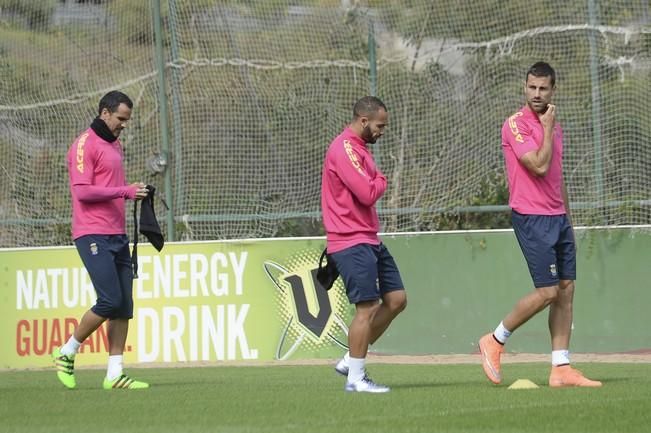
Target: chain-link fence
{"type": "Point", "coordinates": [253, 92]}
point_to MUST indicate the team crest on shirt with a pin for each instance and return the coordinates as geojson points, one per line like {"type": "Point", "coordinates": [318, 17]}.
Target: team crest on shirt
{"type": "Point", "coordinates": [552, 269]}
{"type": "Point", "coordinates": [93, 249]}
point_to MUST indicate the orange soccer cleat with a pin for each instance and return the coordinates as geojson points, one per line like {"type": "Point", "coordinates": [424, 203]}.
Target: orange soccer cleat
{"type": "Point", "coordinates": [565, 375]}
{"type": "Point", "coordinates": [491, 351]}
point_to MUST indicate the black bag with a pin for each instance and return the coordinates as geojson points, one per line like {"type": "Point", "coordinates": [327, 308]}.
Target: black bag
{"type": "Point", "coordinates": [328, 274]}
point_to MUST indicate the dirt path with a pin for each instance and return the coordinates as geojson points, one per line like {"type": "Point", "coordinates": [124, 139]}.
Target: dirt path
{"type": "Point", "coordinates": [425, 359]}
{"type": "Point", "coordinates": [642, 357]}
{"type": "Point", "coordinates": [511, 358]}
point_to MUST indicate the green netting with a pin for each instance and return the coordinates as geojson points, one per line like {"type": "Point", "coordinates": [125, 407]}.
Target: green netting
{"type": "Point", "coordinates": [255, 90]}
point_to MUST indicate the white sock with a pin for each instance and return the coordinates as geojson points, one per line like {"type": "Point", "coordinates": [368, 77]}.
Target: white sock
{"type": "Point", "coordinates": [114, 367]}
{"type": "Point", "coordinates": [356, 369]}
{"type": "Point", "coordinates": [346, 358]}
{"type": "Point", "coordinates": [71, 347]}
{"type": "Point", "coordinates": [560, 357]}
{"type": "Point", "coordinates": [501, 333]}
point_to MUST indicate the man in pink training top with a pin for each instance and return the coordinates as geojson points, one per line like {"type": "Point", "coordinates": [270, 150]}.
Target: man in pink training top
{"type": "Point", "coordinates": [532, 142]}
{"type": "Point", "coordinates": [351, 185]}
{"type": "Point", "coordinates": [99, 191]}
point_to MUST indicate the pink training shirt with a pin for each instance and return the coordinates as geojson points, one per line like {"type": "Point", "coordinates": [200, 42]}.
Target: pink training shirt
{"type": "Point", "coordinates": [530, 194]}
{"type": "Point", "coordinates": [98, 186]}
{"type": "Point", "coordinates": [351, 185]}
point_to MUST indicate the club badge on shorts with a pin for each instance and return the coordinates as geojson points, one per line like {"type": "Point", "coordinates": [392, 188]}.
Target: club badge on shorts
{"type": "Point", "coordinates": [552, 269]}
{"type": "Point", "coordinates": [93, 249]}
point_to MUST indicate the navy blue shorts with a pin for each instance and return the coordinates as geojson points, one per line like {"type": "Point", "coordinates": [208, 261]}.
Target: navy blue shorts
{"type": "Point", "coordinates": [108, 262]}
{"type": "Point", "coordinates": [547, 242]}
{"type": "Point", "coordinates": [368, 272]}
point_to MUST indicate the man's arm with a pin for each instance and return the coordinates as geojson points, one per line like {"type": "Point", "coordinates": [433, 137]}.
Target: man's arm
{"type": "Point", "coordinates": [81, 167]}
{"type": "Point", "coordinates": [94, 193]}
{"type": "Point", "coordinates": [351, 172]}
{"type": "Point", "coordinates": [538, 161]}
{"type": "Point", "coordinates": [566, 201]}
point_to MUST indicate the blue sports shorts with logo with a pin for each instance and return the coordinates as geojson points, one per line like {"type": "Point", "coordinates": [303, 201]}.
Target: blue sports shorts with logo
{"type": "Point", "coordinates": [368, 272]}
{"type": "Point", "coordinates": [108, 262]}
{"type": "Point", "coordinates": [547, 242]}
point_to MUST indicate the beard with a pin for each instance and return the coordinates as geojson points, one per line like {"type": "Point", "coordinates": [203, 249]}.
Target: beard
{"type": "Point", "coordinates": [367, 135]}
{"type": "Point", "coordinates": [538, 106]}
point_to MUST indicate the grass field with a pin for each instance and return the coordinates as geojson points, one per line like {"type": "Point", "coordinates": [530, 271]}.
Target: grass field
{"type": "Point", "coordinates": [424, 398]}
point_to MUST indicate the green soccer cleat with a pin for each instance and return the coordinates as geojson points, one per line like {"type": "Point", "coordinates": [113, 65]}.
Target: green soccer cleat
{"type": "Point", "coordinates": [65, 365]}
{"type": "Point", "coordinates": [124, 382]}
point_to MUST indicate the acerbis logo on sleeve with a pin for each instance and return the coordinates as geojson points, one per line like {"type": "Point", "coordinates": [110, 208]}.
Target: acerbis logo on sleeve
{"type": "Point", "coordinates": [80, 152]}
{"type": "Point", "coordinates": [353, 157]}
{"type": "Point", "coordinates": [514, 127]}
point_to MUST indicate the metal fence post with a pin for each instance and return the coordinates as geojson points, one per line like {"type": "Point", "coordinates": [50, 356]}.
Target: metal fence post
{"type": "Point", "coordinates": [164, 116]}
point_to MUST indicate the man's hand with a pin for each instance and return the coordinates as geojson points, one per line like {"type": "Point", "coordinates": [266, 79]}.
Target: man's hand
{"type": "Point", "coordinates": [141, 190]}
{"type": "Point", "coordinates": [549, 117]}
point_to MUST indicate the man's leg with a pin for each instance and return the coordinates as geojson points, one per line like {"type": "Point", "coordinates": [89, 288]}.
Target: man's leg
{"type": "Point", "coordinates": [560, 329]}
{"type": "Point", "coordinates": [117, 338]}
{"type": "Point", "coordinates": [394, 300]}
{"type": "Point", "coordinates": [491, 345]}
{"type": "Point", "coordinates": [118, 328]}
{"type": "Point", "coordinates": [393, 303]}
{"type": "Point", "coordinates": [561, 312]}
{"type": "Point", "coordinates": [115, 377]}
{"type": "Point", "coordinates": [89, 323]}
{"type": "Point", "coordinates": [64, 356]}
{"type": "Point", "coordinates": [97, 257]}
{"type": "Point", "coordinates": [359, 335]}
{"type": "Point", "coordinates": [358, 270]}
{"type": "Point", "coordinates": [537, 240]}
{"type": "Point", "coordinates": [560, 316]}
{"type": "Point", "coordinates": [530, 305]}
{"type": "Point", "coordinates": [117, 335]}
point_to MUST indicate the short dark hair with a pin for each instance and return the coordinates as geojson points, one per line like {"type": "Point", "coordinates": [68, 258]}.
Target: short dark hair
{"type": "Point", "coordinates": [541, 69]}
{"type": "Point", "coordinates": [112, 100]}
{"type": "Point", "coordinates": [367, 106]}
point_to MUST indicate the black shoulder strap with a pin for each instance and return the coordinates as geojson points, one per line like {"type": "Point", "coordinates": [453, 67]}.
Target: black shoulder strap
{"type": "Point", "coordinates": [134, 253]}
{"type": "Point", "coordinates": [323, 254]}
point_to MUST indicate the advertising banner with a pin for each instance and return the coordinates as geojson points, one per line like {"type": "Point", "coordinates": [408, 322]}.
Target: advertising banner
{"type": "Point", "coordinates": [212, 301]}
{"type": "Point", "coordinates": [258, 300]}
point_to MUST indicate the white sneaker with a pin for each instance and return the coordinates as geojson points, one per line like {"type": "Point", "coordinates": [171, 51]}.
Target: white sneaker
{"type": "Point", "coordinates": [365, 384]}
{"type": "Point", "coordinates": [342, 367]}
